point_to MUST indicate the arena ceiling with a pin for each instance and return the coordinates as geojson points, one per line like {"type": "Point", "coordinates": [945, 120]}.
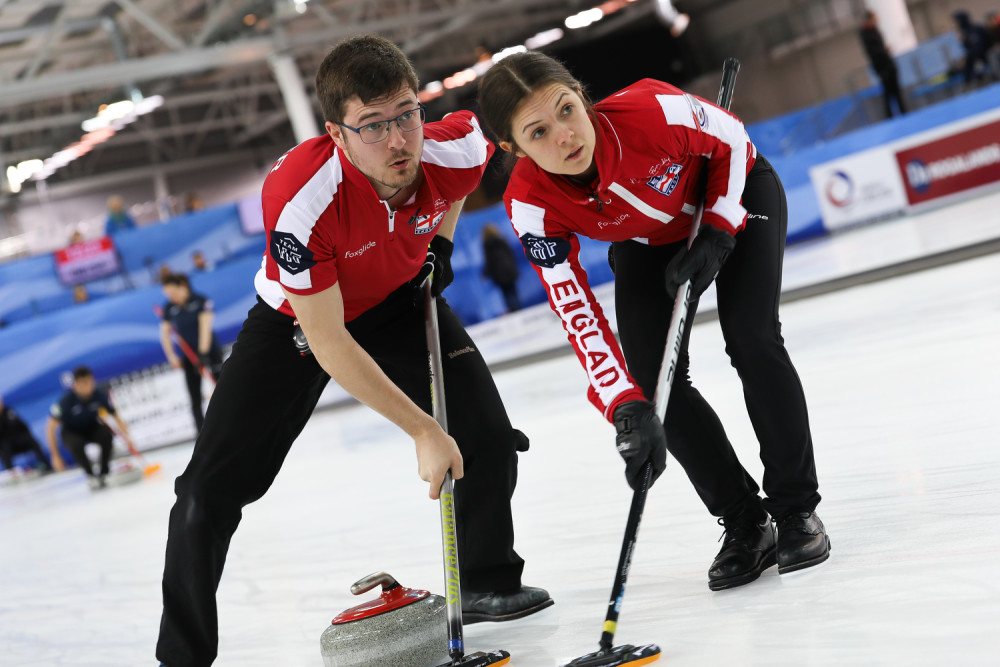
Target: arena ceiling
{"type": "Point", "coordinates": [211, 61]}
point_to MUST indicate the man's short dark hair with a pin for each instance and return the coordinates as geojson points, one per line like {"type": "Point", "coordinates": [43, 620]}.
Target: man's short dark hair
{"type": "Point", "coordinates": [368, 67]}
{"type": "Point", "coordinates": [81, 372]}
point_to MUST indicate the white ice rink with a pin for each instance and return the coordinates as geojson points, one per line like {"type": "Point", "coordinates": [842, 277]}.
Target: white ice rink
{"type": "Point", "coordinates": [903, 386]}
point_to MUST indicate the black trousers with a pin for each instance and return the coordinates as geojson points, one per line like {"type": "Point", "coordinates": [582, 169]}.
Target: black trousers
{"type": "Point", "coordinates": [193, 380]}
{"type": "Point", "coordinates": [75, 442]}
{"type": "Point", "coordinates": [19, 443]}
{"type": "Point", "coordinates": [748, 288]}
{"type": "Point", "coordinates": [262, 401]}
{"type": "Point", "coordinates": [891, 91]}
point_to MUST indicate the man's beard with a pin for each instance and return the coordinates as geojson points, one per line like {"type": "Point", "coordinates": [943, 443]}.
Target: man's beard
{"type": "Point", "coordinates": [400, 181]}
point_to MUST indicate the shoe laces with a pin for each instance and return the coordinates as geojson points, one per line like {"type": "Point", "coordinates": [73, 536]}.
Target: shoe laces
{"type": "Point", "coordinates": [736, 527]}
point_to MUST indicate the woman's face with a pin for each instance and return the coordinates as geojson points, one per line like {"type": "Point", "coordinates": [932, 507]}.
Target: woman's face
{"type": "Point", "coordinates": [551, 126]}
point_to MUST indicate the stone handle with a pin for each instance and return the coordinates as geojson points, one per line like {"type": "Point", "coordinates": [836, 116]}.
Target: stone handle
{"type": "Point", "coordinates": [365, 584]}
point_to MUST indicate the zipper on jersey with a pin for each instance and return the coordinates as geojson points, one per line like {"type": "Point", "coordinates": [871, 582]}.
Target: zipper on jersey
{"type": "Point", "coordinates": [595, 197]}
{"type": "Point", "coordinates": [392, 219]}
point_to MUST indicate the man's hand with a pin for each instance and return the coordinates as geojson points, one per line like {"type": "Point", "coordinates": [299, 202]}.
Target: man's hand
{"type": "Point", "coordinates": [175, 362]}
{"type": "Point", "coordinates": [437, 452]}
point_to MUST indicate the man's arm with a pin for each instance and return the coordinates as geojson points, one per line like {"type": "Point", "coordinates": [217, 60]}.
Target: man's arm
{"type": "Point", "coordinates": [54, 455]}
{"type": "Point", "coordinates": [321, 317]}
{"type": "Point", "coordinates": [205, 320]}
{"type": "Point", "coordinates": [442, 247]}
{"type": "Point", "coordinates": [123, 429]}
{"type": "Point", "coordinates": [168, 345]}
{"type": "Point", "coordinates": [450, 220]}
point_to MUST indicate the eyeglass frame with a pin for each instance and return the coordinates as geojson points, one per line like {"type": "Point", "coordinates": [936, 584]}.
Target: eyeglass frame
{"type": "Point", "coordinates": [388, 128]}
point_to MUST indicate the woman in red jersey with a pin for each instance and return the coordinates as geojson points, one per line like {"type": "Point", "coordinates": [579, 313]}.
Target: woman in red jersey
{"type": "Point", "coordinates": [631, 169]}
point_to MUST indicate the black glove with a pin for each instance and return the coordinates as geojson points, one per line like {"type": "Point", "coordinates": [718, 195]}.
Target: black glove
{"type": "Point", "coordinates": [205, 359]}
{"type": "Point", "coordinates": [640, 439]}
{"type": "Point", "coordinates": [440, 254]}
{"type": "Point", "coordinates": [611, 257]}
{"type": "Point", "coordinates": [701, 262]}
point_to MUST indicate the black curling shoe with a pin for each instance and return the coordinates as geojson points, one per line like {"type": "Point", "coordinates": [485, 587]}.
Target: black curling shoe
{"type": "Point", "coordinates": [479, 607]}
{"type": "Point", "coordinates": [802, 542]}
{"type": "Point", "coordinates": [747, 550]}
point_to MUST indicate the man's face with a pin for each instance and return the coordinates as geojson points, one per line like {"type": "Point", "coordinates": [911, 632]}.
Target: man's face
{"type": "Point", "coordinates": [84, 387]}
{"type": "Point", "coordinates": [392, 163]}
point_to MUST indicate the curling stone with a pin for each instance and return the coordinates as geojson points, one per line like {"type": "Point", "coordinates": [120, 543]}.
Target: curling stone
{"type": "Point", "coordinates": [124, 473]}
{"type": "Point", "coordinates": [401, 628]}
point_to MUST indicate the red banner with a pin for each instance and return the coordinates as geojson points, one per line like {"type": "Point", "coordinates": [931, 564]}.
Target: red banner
{"type": "Point", "coordinates": [85, 261]}
{"type": "Point", "coordinates": [951, 164]}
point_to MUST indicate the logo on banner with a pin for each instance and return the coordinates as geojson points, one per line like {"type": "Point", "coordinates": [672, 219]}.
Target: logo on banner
{"type": "Point", "coordinates": [839, 189]}
{"type": "Point", "coordinates": [666, 182]}
{"type": "Point", "coordinates": [950, 164]}
{"type": "Point", "coordinates": [918, 176]}
{"type": "Point", "coordinates": [290, 254]}
{"type": "Point", "coordinates": [423, 224]}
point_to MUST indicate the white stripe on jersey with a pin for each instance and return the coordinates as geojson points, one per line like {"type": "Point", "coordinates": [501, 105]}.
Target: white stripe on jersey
{"type": "Point", "coordinates": [731, 131]}
{"type": "Point", "coordinates": [527, 218]}
{"type": "Point", "coordinates": [462, 153]}
{"type": "Point", "coordinates": [640, 205]}
{"type": "Point", "coordinates": [681, 110]}
{"type": "Point", "coordinates": [300, 214]}
{"type": "Point", "coordinates": [677, 110]}
{"type": "Point", "coordinates": [269, 290]}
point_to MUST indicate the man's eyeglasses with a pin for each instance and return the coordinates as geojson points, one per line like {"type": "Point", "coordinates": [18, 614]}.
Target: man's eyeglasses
{"type": "Point", "coordinates": [408, 121]}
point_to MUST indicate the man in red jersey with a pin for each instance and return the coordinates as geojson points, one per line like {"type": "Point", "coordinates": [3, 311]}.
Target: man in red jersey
{"type": "Point", "coordinates": [349, 216]}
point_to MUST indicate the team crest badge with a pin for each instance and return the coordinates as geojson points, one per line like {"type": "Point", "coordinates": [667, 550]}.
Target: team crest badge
{"type": "Point", "coordinates": [423, 224]}
{"type": "Point", "coordinates": [666, 182]}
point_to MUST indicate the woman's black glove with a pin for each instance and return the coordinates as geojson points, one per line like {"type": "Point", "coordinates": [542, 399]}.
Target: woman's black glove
{"type": "Point", "coordinates": [640, 439]}
{"type": "Point", "coordinates": [701, 262]}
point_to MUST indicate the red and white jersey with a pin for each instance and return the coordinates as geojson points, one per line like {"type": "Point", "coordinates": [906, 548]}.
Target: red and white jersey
{"type": "Point", "coordinates": [326, 225]}
{"type": "Point", "coordinates": [659, 153]}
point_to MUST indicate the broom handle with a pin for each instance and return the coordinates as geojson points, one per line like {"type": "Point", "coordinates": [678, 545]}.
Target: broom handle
{"type": "Point", "coordinates": [449, 517]}
{"type": "Point", "coordinates": [675, 336]}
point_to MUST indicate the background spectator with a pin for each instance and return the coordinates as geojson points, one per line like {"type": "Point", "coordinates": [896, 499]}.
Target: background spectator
{"type": "Point", "coordinates": [500, 266]}
{"type": "Point", "coordinates": [193, 203]}
{"type": "Point", "coordinates": [976, 41]}
{"type": "Point", "coordinates": [118, 217]}
{"type": "Point", "coordinates": [198, 259]}
{"type": "Point", "coordinates": [80, 294]}
{"type": "Point", "coordinates": [882, 62]}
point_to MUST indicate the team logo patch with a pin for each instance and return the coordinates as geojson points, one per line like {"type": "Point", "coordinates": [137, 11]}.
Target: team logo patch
{"type": "Point", "coordinates": [666, 182]}
{"type": "Point", "coordinates": [423, 224]}
{"type": "Point", "coordinates": [545, 251]}
{"type": "Point", "coordinates": [290, 254]}
{"type": "Point", "coordinates": [699, 112]}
